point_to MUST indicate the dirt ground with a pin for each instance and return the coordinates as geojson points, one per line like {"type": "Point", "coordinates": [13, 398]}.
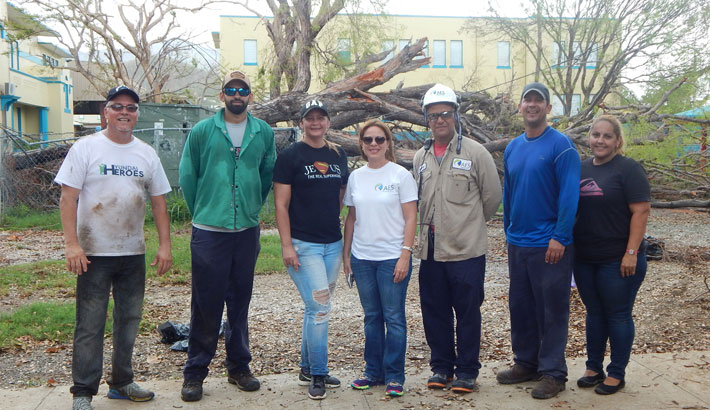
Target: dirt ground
{"type": "Point", "coordinates": [672, 312]}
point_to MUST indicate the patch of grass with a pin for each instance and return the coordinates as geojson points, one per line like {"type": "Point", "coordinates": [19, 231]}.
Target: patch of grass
{"type": "Point", "coordinates": [270, 259]}
{"type": "Point", "coordinates": [53, 321]}
{"type": "Point", "coordinates": [31, 277]}
{"type": "Point", "coordinates": [23, 217]}
{"type": "Point", "coordinates": [39, 321]}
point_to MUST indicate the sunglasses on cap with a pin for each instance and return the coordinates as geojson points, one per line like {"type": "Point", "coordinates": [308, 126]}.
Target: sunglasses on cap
{"type": "Point", "coordinates": [434, 116]}
{"type": "Point", "coordinates": [378, 140]}
{"type": "Point", "coordinates": [120, 107]}
{"type": "Point", "coordinates": [232, 91]}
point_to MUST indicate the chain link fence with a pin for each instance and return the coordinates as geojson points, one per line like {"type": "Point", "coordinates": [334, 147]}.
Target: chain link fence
{"type": "Point", "coordinates": [28, 166]}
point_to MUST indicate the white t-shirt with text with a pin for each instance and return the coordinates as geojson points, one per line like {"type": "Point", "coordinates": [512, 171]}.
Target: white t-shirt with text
{"type": "Point", "coordinates": [378, 195]}
{"type": "Point", "coordinates": [113, 179]}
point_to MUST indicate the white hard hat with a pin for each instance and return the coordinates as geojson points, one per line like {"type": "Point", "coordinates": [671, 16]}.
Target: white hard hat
{"type": "Point", "coordinates": [439, 93]}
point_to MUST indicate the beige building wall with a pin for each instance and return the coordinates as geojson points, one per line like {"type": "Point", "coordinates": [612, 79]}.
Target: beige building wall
{"type": "Point", "coordinates": [475, 68]}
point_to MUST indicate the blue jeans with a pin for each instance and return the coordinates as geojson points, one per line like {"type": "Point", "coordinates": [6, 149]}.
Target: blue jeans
{"type": "Point", "coordinates": [383, 303]}
{"type": "Point", "coordinates": [609, 299]}
{"type": "Point", "coordinates": [539, 309]}
{"type": "Point", "coordinates": [125, 275]}
{"type": "Point", "coordinates": [222, 274]}
{"type": "Point", "coordinates": [315, 280]}
{"type": "Point", "coordinates": [446, 288]}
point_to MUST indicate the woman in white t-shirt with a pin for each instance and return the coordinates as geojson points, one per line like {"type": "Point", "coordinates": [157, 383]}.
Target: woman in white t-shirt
{"type": "Point", "coordinates": [377, 251]}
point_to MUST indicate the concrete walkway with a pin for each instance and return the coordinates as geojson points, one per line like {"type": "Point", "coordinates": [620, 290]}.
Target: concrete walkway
{"type": "Point", "coordinates": [654, 381]}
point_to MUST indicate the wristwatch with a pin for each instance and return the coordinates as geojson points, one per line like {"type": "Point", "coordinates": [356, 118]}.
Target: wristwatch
{"type": "Point", "coordinates": [632, 251]}
{"type": "Point", "coordinates": [409, 248]}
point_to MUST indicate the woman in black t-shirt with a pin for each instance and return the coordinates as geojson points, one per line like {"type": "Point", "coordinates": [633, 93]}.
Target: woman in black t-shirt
{"type": "Point", "coordinates": [610, 262]}
{"type": "Point", "coordinates": [309, 182]}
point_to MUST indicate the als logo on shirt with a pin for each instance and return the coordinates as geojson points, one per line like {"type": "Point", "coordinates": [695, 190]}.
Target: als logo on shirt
{"type": "Point", "coordinates": [459, 163]}
{"type": "Point", "coordinates": [385, 188]}
{"type": "Point", "coordinates": [589, 187]}
{"type": "Point", "coordinates": [120, 170]}
{"type": "Point", "coordinates": [320, 169]}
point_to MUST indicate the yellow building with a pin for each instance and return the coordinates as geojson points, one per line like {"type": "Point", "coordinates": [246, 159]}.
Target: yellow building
{"type": "Point", "coordinates": [35, 86]}
{"type": "Point", "coordinates": [474, 60]}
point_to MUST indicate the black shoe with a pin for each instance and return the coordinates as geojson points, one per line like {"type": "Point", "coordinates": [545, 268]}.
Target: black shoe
{"type": "Point", "coordinates": [438, 381]}
{"type": "Point", "coordinates": [590, 381]}
{"type": "Point", "coordinates": [547, 387]}
{"type": "Point", "coordinates": [316, 390]}
{"type": "Point", "coordinates": [605, 389]}
{"type": "Point", "coordinates": [516, 374]}
{"type": "Point", "coordinates": [464, 385]}
{"type": "Point", "coordinates": [244, 380]}
{"type": "Point", "coordinates": [191, 390]}
{"type": "Point", "coordinates": [304, 379]}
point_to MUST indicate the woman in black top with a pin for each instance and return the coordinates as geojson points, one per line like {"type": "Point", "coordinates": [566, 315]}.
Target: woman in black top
{"type": "Point", "coordinates": [610, 263]}
{"type": "Point", "coordinates": [309, 182]}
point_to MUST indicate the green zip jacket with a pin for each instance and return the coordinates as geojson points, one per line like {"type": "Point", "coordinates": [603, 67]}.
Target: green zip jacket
{"type": "Point", "coordinates": [220, 190]}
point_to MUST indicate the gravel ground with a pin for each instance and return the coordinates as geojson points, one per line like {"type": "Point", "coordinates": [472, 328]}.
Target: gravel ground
{"type": "Point", "coordinates": [672, 312]}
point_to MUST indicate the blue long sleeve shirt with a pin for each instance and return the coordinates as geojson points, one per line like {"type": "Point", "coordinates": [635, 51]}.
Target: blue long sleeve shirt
{"type": "Point", "coordinates": [541, 189]}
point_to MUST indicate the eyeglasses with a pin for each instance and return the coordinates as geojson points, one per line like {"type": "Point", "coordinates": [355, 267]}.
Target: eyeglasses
{"type": "Point", "coordinates": [120, 107]}
{"type": "Point", "coordinates": [378, 140]}
{"type": "Point", "coordinates": [232, 91]}
{"type": "Point", "coordinates": [434, 116]}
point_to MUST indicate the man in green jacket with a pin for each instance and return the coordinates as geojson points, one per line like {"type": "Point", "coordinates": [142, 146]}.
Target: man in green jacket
{"type": "Point", "coordinates": [225, 175]}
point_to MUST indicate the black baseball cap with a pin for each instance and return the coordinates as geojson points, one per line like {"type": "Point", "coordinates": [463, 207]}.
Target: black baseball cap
{"type": "Point", "coordinates": [122, 89]}
{"type": "Point", "coordinates": [313, 105]}
{"type": "Point", "coordinates": [538, 88]}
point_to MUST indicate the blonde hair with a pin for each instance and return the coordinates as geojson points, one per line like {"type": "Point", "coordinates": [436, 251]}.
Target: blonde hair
{"type": "Point", "coordinates": [616, 127]}
{"type": "Point", "coordinates": [389, 154]}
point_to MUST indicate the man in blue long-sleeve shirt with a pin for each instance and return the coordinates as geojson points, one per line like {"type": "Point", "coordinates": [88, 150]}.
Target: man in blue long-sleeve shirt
{"type": "Point", "coordinates": [540, 195]}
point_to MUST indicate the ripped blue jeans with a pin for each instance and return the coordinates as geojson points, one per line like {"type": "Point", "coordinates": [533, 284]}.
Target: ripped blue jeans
{"type": "Point", "coordinates": [315, 280]}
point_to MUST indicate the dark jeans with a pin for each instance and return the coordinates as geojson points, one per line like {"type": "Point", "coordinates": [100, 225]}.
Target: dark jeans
{"type": "Point", "coordinates": [609, 299]}
{"type": "Point", "coordinates": [125, 275]}
{"type": "Point", "coordinates": [539, 309]}
{"type": "Point", "coordinates": [222, 273]}
{"type": "Point", "coordinates": [446, 288]}
{"type": "Point", "coordinates": [385, 319]}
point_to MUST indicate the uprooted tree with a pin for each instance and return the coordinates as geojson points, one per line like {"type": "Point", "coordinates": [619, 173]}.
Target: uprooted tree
{"type": "Point", "coordinates": [488, 120]}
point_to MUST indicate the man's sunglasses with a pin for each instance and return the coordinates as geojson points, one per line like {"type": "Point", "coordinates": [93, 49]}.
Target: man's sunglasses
{"type": "Point", "coordinates": [120, 107]}
{"type": "Point", "coordinates": [378, 140]}
{"type": "Point", "coordinates": [436, 115]}
{"type": "Point", "coordinates": [232, 91]}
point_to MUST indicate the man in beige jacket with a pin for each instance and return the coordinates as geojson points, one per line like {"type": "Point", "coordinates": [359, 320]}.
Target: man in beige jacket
{"type": "Point", "coordinates": [459, 190]}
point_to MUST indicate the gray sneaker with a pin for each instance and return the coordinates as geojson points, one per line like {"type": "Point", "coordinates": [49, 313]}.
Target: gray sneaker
{"type": "Point", "coordinates": [82, 403]}
{"type": "Point", "coordinates": [131, 391]}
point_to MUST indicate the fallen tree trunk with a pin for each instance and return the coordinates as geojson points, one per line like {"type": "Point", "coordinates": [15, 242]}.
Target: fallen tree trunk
{"type": "Point", "coordinates": [683, 203]}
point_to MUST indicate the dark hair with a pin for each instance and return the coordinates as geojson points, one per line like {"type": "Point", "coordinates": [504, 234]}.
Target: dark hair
{"type": "Point", "coordinates": [615, 125]}
{"type": "Point", "coordinates": [389, 154]}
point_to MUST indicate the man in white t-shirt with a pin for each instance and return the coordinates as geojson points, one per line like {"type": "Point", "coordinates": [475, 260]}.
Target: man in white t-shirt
{"type": "Point", "coordinates": [104, 179]}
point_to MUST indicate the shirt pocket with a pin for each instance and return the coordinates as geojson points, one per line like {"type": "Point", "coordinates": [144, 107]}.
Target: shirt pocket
{"type": "Point", "coordinates": [458, 187]}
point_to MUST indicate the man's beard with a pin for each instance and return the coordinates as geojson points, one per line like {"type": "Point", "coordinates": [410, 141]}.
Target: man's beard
{"type": "Point", "coordinates": [236, 109]}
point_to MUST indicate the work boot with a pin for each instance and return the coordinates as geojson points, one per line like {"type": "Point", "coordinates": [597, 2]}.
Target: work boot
{"type": "Point", "coordinates": [244, 380]}
{"type": "Point", "coordinates": [191, 390]}
{"type": "Point", "coordinates": [516, 374]}
{"type": "Point", "coordinates": [547, 387]}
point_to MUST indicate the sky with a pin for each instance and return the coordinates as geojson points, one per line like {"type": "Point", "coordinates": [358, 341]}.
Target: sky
{"type": "Point", "coordinates": [208, 20]}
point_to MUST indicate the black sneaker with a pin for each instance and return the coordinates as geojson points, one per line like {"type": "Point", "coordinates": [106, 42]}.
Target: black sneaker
{"type": "Point", "coordinates": [304, 379]}
{"type": "Point", "coordinates": [438, 381]}
{"type": "Point", "coordinates": [191, 390]}
{"type": "Point", "coordinates": [464, 385]}
{"type": "Point", "coordinates": [244, 380]}
{"type": "Point", "coordinates": [316, 390]}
